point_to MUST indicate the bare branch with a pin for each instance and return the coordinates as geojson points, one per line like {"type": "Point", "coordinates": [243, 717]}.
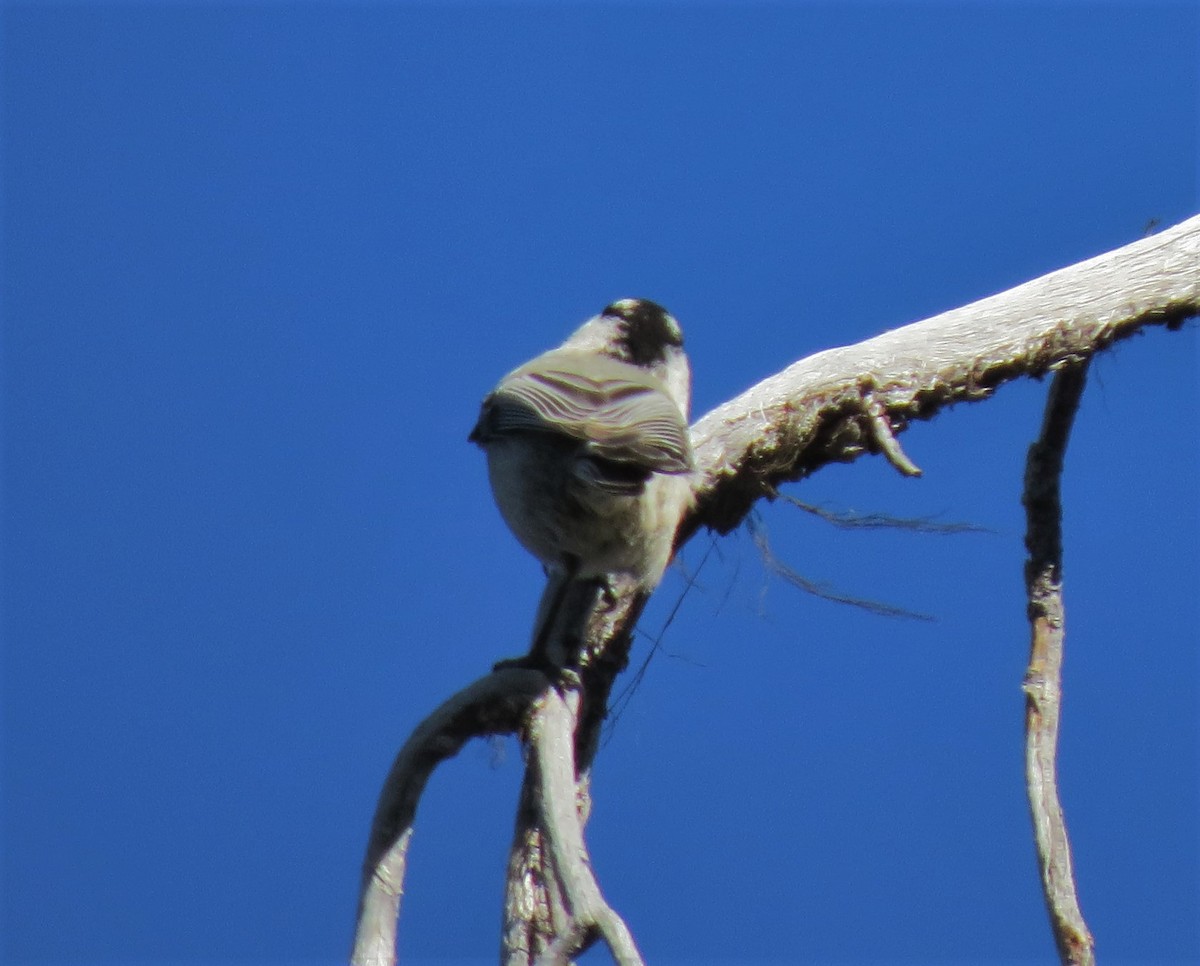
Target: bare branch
{"type": "Point", "coordinates": [495, 704]}
{"type": "Point", "coordinates": [831, 407]}
{"type": "Point", "coordinates": [1043, 679]}
{"type": "Point", "coordinates": [552, 730]}
{"type": "Point", "coordinates": [536, 910]}
{"type": "Point", "coordinates": [885, 438]}
{"type": "Point", "coordinates": [817, 411]}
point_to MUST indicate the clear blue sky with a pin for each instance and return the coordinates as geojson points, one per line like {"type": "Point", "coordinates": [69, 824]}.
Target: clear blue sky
{"type": "Point", "coordinates": [260, 262]}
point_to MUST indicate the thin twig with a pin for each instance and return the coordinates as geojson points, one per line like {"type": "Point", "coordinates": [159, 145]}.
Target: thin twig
{"type": "Point", "coordinates": [758, 533]}
{"type": "Point", "coordinates": [1043, 679]}
{"type": "Point", "coordinates": [885, 438]}
{"type": "Point", "coordinates": [618, 704]}
{"type": "Point", "coordinates": [881, 521]}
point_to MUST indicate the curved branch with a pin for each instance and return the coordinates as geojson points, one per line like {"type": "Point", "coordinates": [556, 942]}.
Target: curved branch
{"type": "Point", "coordinates": [820, 410]}
{"type": "Point", "coordinates": [831, 407]}
{"type": "Point", "coordinates": [552, 736]}
{"type": "Point", "coordinates": [885, 438]}
{"type": "Point", "coordinates": [536, 907]}
{"type": "Point", "coordinates": [1043, 679]}
{"type": "Point", "coordinates": [495, 704]}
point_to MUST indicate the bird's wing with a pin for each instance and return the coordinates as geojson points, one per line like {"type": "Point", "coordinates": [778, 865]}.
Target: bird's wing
{"type": "Point", "coordinates": [618, 411]}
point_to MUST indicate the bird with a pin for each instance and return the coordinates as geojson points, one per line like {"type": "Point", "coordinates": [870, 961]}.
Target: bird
{"type": "Point", "coordinates": [588, 451]}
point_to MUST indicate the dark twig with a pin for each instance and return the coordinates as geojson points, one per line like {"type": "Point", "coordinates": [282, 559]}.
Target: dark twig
{"type": "Point", "coordinates": [758, 533]}
{"type": "Point", "coordinates": [618, 704]}
{"type": "Point", "coordinates": [882, 521]}
{"type": "Point", "coordinates": [1043, 679]}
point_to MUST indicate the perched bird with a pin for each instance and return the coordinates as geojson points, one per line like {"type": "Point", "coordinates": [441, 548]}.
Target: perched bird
{"type": "Point", "coordinates": [588, 449]}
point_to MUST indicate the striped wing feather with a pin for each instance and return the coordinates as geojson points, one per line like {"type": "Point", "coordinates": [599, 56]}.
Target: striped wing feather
{"type": "Point", "coordinates": [620, 412]}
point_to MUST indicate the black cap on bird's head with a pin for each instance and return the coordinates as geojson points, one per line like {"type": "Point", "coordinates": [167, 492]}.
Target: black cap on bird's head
{"type": "Point", "coordinates": [645, 330]}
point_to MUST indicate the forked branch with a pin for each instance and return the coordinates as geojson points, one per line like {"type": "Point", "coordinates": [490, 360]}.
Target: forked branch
{"type": "Point", "coordinates": [495, 704]}
{"type": "Point", "coordinates": [831, 407]}
{"type": "Point", "coordinates": [552, 737]}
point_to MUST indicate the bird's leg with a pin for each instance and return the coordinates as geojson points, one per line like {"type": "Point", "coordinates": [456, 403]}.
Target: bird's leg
{"type": "Point", "coordinates": [548, 651]}
{"type": "Point", "coordinates": [558, 583]}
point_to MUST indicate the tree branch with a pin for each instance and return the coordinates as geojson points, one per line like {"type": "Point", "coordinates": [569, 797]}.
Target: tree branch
{"type": "Point", "coordinates": [831, 407]}
{"type": "Point", "coordinates": [1043, 679]}
{"type": "Point", "coordinates": [537, 908]}
{"type": "Point", "coordinates": [495, 704]}
{"type": "Point", "coordinates": [534, 905]}
{"type": "Point", "coordinates": [552, 731]}
{"type": "Point", "coordinates": [825, 409]}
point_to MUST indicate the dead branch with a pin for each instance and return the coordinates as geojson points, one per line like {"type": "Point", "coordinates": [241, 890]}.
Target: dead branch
{"type": "Point", "coordinates": [495, 704]}
{"type": "Point", "coordinates": [831, 407]}
{"type": "Point", "coordinates": [536, 909]}
{"type": "Point", "coordinates": [1043, 679]}
{"type": "Point", "coordinates": [824, 409]}
{"type": "Point", "coordinates": [552, 736]}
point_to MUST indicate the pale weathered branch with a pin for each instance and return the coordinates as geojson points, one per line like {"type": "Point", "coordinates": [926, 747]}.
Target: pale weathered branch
{"type": "Point", "coordinates": [831, 407]}
{"type": "Point", "coordinates": [552, 736]}
{"type": "Point", "coordinates": [535, 907]}
{"type": "Point", "coordinates": [535, 910]}
{"type": "Point", "coordinates": [818, 411]}
{"type": "Point", "coordinates": [1043, 679]}
{"type": "Point", "coordinates": [495, 704]}
{"type": "Point", "coordinates": [885, 438]}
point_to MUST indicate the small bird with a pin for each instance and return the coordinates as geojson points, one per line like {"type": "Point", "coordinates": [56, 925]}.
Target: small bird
{"type": "Point", "coordinates": [588, 449]}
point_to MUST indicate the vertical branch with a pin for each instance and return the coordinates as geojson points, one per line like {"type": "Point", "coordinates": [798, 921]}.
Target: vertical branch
{"type": "Point", "coordinates": [1043, 678]}
{"type": "Point", "coordinates": [534, 905]}
{"type": "Point", "coordinates": [553, 907]}
{"type": "Point", "coordinates": [590, 916]}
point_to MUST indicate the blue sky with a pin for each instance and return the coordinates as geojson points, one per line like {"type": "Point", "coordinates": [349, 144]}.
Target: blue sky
{"type": "Point", "coordinates": [260, 262]}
